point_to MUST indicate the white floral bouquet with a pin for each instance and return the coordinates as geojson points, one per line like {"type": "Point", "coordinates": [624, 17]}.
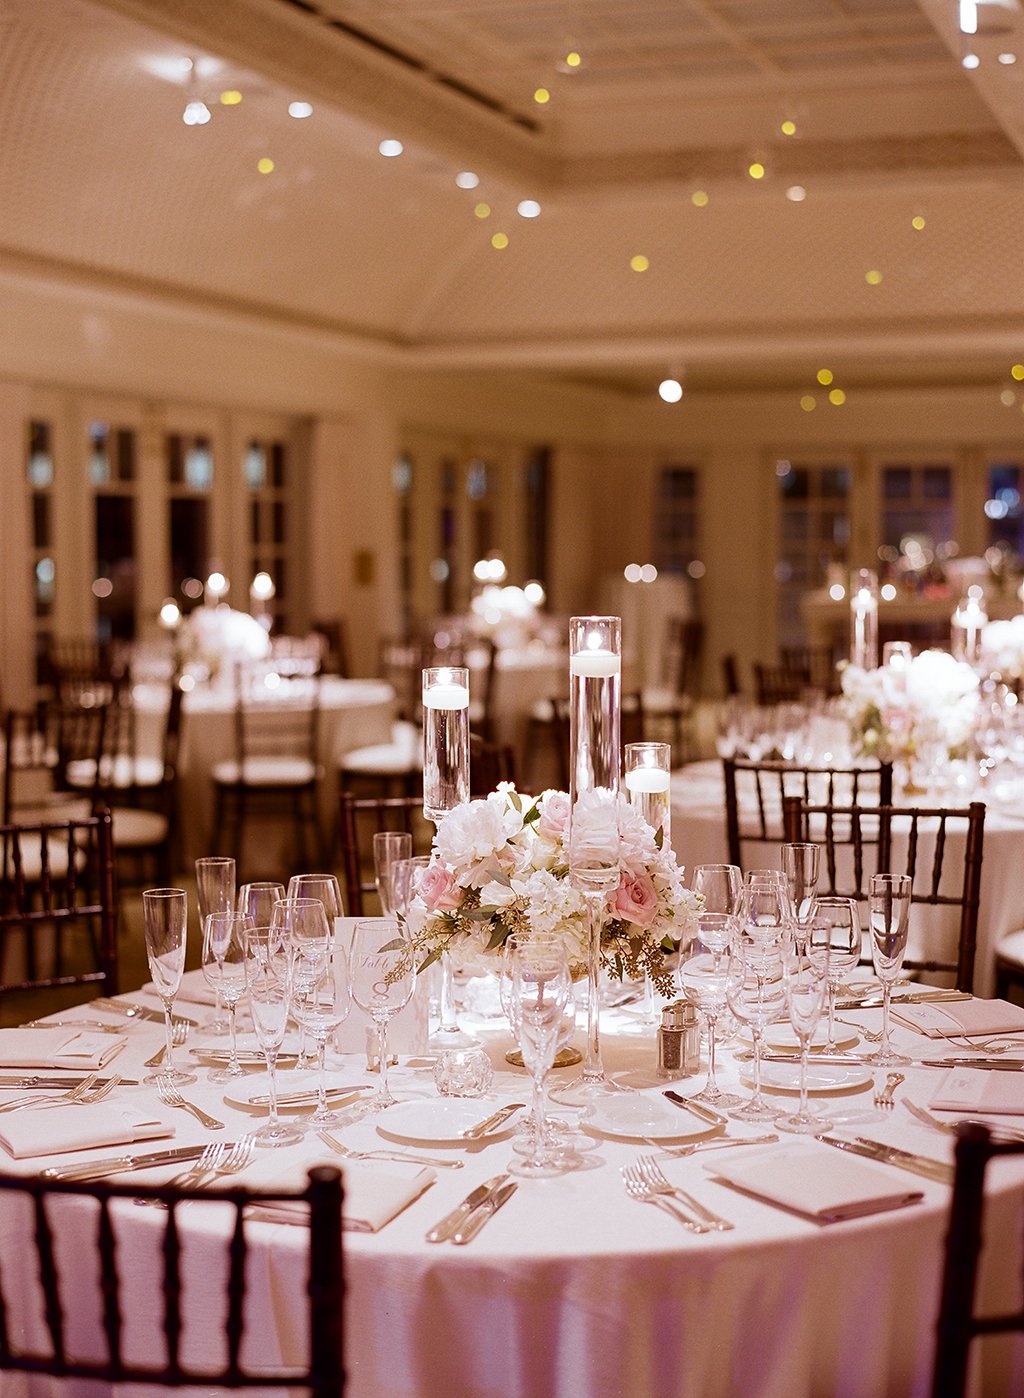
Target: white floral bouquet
{"type": "Point", "coordinates": [895, 711]}
{"type": "Point", "coordinates": [1002, 648]}
{"type": "Point", "coordinates": [500, 867]}
{"type": "Point", "coordinates": [218, 636]}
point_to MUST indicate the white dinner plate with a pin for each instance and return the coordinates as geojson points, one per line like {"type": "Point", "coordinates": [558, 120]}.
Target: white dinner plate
{"type": "Point", "coordinates": [821, 1077]}
{"type": "Point", "coordinates": [241, 1092]}
{"type": "Point", "coordinates": [782, 1037]}
{"type": "Point", "coordinates": [440, 1120]}
{"type": "Point", "coordinates": [634, 1117]}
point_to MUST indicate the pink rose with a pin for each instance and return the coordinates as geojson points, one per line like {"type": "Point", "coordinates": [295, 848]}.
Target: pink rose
{"type": "Point", "coordinates": [635, 899]}
{"type": "Point", "coordinates": [553, 816]}
{"type": "Point", "coordinates": [439, 890]}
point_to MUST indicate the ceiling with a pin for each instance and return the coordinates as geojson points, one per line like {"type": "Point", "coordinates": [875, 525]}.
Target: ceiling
{"type": "Point", "coordinates": [642, 150]}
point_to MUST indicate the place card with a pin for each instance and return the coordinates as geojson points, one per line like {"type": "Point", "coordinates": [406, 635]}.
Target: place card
{"type": "Point", "coordinates": [967, 1090]}
{"type": "Point", "coordinates": [960, 1018]}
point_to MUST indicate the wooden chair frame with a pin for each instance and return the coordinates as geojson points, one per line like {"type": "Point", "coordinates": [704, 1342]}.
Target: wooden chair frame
{"type": "Point", "coordinates": [375, 813]}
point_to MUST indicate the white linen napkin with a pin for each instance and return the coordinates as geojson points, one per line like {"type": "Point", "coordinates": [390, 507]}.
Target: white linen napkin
{"type": "Point", "coordinates": [58, 1048]}
{"type": "Point", "coordinates": [823, 1188]}
{"type": "Point", "coordinates": [938, 1019]}
{"type": "Point", "coordinates": [37, 1132]}
{"type": "Point", "coordinates": [971, 1090]}
{"type": "Point", "coordinates": [373, 1197]}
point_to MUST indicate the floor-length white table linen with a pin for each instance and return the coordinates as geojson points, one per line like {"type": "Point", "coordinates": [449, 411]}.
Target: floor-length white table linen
{"type": "Point", "coordinates": [575, 1291]}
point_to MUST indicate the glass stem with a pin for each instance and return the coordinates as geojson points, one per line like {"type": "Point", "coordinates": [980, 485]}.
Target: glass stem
{"type": "Point", "coordinates": [169, 1033]}
{"type": "Point", "coordinates": [593, 1068]}
{"type": "Point", "coordinates": [234, 1067]}
{"type": "Point", "coordinates": [537, 1103]}
{"type": "Point", "coordinates": [321, 1085]}
{"type": "Point", "coordinates": [884, 1049]}
{"type": "Point", "coordinates": [805, 1045]}
{"type": "Point", "coordinates": [271, 1057]}
{"type": "Point", "coordinates": [383, 1092]}
{"type": "Point", "coordinates": [711, 1086]}
{"type": "Point", "coordinates": [831, 1041]}
{"type": "Point", "coordinates": [448, 1023]}
{"type": "Point", "coordinates": [756, 1100]}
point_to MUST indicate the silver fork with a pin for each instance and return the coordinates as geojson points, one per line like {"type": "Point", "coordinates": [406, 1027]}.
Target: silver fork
{"type": "Point", "coordinates": [873, 1036]}
{"type": "Point", "coordinates": [239, 1157]}
{"type": "Point", "coordinates": [407, 1156]}
{"type": "Point", "coordinates": [716, 1143]}
{"type": "Point", "coordinates": [884, 1099]}
{"type": "Point", "coordinates": [652, 1174]}
{"type": "Point", "coordinates": [75, 1094]}
{"type": "Point", "coordinates": [637, 1188]}
{"type": "Point", "coordinates": [171, 1097]}
{"type": "Point", "coordinates": [179, 1033]}
{"type": "Point", "coordinates": [997, 1128]}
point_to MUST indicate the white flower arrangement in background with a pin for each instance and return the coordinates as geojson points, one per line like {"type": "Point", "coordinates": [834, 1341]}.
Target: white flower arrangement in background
{"type": "Point", "coordinates": [1002, 648]}
{"type": "Point", "coordinates": [896, 711]}
{"type": "Point", "coordinates": [215, 637]}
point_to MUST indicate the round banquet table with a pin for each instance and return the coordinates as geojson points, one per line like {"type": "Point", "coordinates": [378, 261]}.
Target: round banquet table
{"type": "Point", "coordinates": [699, 837]}
{"type": "Point", "coordinates": [574, 1289]}
{"type": "Point", "coordinates": [353, 714]}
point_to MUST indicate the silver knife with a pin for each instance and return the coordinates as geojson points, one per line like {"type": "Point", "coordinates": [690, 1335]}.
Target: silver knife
{"type": "Point", "coordinates": [131, 1010]}
{"type": "Point", "coordinates": [875, 1001]}
{"type": "Point", "coordinates": [447, 1225]}
{"type": "Point", "coordinates": [113, 1165]}
{"type": "Point", "coordinates": [891, 1155]}
{"type": "Point", "coordinates": [707, 1114]}
{"type": "Point", "coordinates": [492, 1122]}
{"type": "Point", "coordinates": [484, 1211]}
{"type": "Point", "coordinates": [61, 1081]}
{"type": "Point", "coordinates": [248, 1058]}
{"type": "Point", "coordinates": [298, 1099]}
{"type": "Point", "coordinates": [1006, 1065]}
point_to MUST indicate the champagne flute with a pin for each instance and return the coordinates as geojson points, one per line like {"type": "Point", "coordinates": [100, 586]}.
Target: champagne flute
{"type": "Point", "coordinates": [404, 879]}
{"type": "Point", "coordinates": [756, 995]}
{"type": "Point", "coordinates": [382, 970]}
{"type": "Point", "coordinates": [800, 865]}
{"type": "Point", "coordinates": [165, 916]}
{"type": "Point", "coordinates": [389, 846]}
{"type": "Point", "coordinates": [215, 892]}
{"type": "Point", "coordinates": [720, 885]}
{"type": "Point", "coordinates": [267, 982]}
{"type": "Point", "coordinates": [257, 900]}
{"type": "Point", "coordinates": [540, 988]}
{"type": "Point", "coordinates": [805, 979]}
{"type": "Point", "coordinates": [888, 911]}
{"type": "Point", "coordinates": [704, 978]}
{"type": "Point", "coordinates": [834, 941]}
{"type": "Point", "coordinates": [320, 985]}
{"type": "Point", "coordinates": [328, 890]}
{"type": "Point", "coordinates": [224, 937]}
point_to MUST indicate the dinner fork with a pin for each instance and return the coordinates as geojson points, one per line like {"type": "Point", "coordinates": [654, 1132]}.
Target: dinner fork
{"type": "Point", "coordinates": [997, 1128]}
{"type": "Point", "coordinates": [873, 1036]}
{"type": "Point", "coordinates": [171, 1097]}
{"type": "Point", "coordinates": [407, 1156]}
{"type": "Point", "coordinates": [651, 1173]}
{"type": "Point", "coordinates": [884, 1098]}
{"type": "Point", "coordinates": [179, 1033]}
{"type": "Point", "coordinates": [638, 1188]}
{"type": "Point", "coordinates": [75, 1094]}
{"type": "Point", "coordinates": [715, 1143]}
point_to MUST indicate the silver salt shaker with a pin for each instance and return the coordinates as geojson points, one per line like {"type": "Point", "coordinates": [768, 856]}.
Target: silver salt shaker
{"type": "Point", "coordinates": [679, 1041]}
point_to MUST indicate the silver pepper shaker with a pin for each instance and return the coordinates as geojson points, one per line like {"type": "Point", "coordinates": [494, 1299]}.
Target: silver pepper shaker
{"type": "Point", "coordinates": [678, 1041]}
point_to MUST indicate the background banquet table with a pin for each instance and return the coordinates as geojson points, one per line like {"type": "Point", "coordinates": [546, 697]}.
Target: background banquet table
{"type": "Point", "coordinates": [353, 714]}
{"type": "Point", "coordinates": [699, 837]}
{"type": "Point", "coordinates": [575, 1289]}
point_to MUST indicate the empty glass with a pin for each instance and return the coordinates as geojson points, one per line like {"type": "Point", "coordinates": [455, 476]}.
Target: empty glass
{"type": "Point", "coordinates": [800, 867]}
{"type": "Point", "coordinates": [757, 996]}
{"type": "Point", "coordinates": [540, 988]}
{"type": "Point", "coordinates": [165, 917]}
{"type": "Point", "coordinates": [215, 892]}
{"type": "Point", "coordinates": [389, 846]}
{"type": "Point", "coordinates": [224, 935]}
{"type": "Point", "coordinates": [720, 885]}
{"type": "Point", "coordinates": [805, 981]}
{"type": "Point", "coordinates": [833, 943]}
{"type": "Point", "coordinates": [889, 911]}
{"type": "Point", "coordinates": [382, 968]}
{"type": "Point", "coordinates": [704, 978]}
{"type": "Point", "coordinates": [267, 980]}
{"type": "Point", "coordinates": [319, 985]}
{"type": "Point", "coordinates": [257, 900]}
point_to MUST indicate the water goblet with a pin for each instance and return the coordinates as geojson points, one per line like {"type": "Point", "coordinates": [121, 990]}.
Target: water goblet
{"type": "Point", "coordinates": [165, 916]}
{"type": "Point", "coordinates": [215, 892]}
{"type": "Point", "coordinates": [540, 988]}
{"type": "Point", "coordinates": [805, 980]}
{"type": "Point", "coordinates": [320, 988]}
{"type": "Point", "coordinates": [833, 942]}
{"type": "Point", "coordinates": [720, 885]}
{"type": "Point", "coordinates": [389, 846]}
{"type": "Point", "coordinates": [257, 900]}
{"type": "Point", "coordinates": [889, 897]}
{"type": "Point", "coordinates": [224, 935]}
{"type": "Point", "coordinates": [382, 970]}
{"type": "Point", "coordinates": [267, 980]}
{"type": "Point", "coordinates": [328, 890]}
{"type": "Point", "coordinates": [704, 978]}
{"type": "Point", "coordinates": [800, 866]}
{"type": "Point", "coordinates": [765, 911]}
{"type": "Point", "coordinates": [756, 996]}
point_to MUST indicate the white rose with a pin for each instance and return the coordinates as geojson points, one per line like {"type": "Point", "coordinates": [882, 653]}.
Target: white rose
{"type": "Point", "coordinates": [594, 831]}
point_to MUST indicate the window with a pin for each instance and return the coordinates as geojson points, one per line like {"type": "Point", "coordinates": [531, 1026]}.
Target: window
{"type": "Point", "coordinates": [1004, 508]}
{"type": "Point", "coordinates": [112, 472]}
{"type": "Point", "coordinates": [917, 503]}
{"type": "Point", "coordinates": [676, 524]}
{"type": "Point", "coordinates": [266, 471]}
{"type": "Point", "coordinates": [40, 476]}
{"type": "Point", "coordinates": [814, 532]}
{"type": "Point", "coordinates": [189, 475]}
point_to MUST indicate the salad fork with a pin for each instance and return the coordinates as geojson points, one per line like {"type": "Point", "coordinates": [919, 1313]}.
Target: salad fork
{"type": "Point", "coordinates": [884, 1098]}
{"type": "Point", "coordinates": [997, 1128]}
{"type": "Point", "coordinates": [75, 1094]}
{"type": "Point", "coordinates": [652, 1174]}
{"type": "Point", "coordinates": [171, 1097]}
{"type": "Point", "coordinates": [179, 1033]}
{"type": "Point", "coordinates": [637, 1188]}
{"type": "Point", "coordinates": [407, 1156]}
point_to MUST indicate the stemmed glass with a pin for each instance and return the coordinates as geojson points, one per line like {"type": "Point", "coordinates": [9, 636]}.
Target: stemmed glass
{"type": "Point", "coordinates": [805, 981]}
{"type": "Point", "coordinates": [326, 888]}
{"type": "Point", "coordinates": [720, 885]}
{"type": "Point", "coordinates": [757, 996]}
{"type": "Point", "coordinates": [765, 910]}
{"type": "Point", "coordinates": [382, 971]}
{"type": "Point", "coordinates": [165, 915]}
{"type": "Point", "coordinates": [268, 983]}
{"type": "Point", "coordinates": [389, 846]}
{"type": "Point", "coordinates": [540, 989]}
{"type": "Point", "coordinates": [889, 911]}
{"type": "Point", "coordinates": [833, 942]}
{"type": "Point", "coordinates": [704, 978]}
{"type": "Point", "coordinates": [224, 935]}
{"type": "Point", "coordinates": [800, 867]}
{"type": "Point", "coordinates": [404, 880]}
{"type": "Point", "coordinates": [257, 900]}
{"type": "Point", "coordinates": [215, 893]}
{"type": "Point", "coordinates": [320, 984]}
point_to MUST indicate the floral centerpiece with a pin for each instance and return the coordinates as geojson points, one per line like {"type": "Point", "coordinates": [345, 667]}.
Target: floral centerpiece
{"type": "Point", "coordinates": [500, 867]}
{"type": "Point", "coordinates": [213, 637]}
{"type": "Point", "coordinates": [897, 711]}
{"type": "Point", "coordinates": [1002, 648]}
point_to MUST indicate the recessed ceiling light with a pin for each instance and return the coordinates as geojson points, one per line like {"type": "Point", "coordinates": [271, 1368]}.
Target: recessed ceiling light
{"type": "Point", "coordinates": [542, 96]}
{"type": "Point", "coordinates": [466, 179]}
{"type": "Point", "coordinates": [970, 60]}
{"type": "Point", "coordinates": [796, 194]}
{"type": "Point", "coordinates": [391, 148]}
{"type": "Point", "coordinates": [528, 208]}
{"type": "Point", "coordinates": [670, 390]}
{"type": "Point", "coordinates": [1007, 58]}
{"type": "Point", "coordinates": [196, 114]}
{"type": "Point", "coordinates": [298, 110]}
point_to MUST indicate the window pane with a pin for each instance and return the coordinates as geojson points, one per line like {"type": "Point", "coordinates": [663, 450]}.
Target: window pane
{"type": "Point", "coordinates": [255, 467]}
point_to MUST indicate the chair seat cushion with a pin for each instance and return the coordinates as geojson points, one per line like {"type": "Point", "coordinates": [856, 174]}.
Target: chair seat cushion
{"type": "Point", "coordinates": [661, 700]}
{"type": "Point", "coordinates": [32, 859]}
{"type": "Point", "coordinates": [123, 772]}
{"type": "Point", "coordinates": [266, 771]}
{"type": "Point", "coordinates": [1011, 948]}
{"type": "Point", "coordinates": [403, 754]}
{"type": "Point", "coordinates": [134, 828]}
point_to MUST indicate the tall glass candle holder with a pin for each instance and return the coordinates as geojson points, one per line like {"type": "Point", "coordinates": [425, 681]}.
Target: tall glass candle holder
{"type": "Point", "coordinates": [864, 619]}
{"type": "Point", "coordinates": [647, 774]}
{"type": "Point", "coordinates": [965, 632]}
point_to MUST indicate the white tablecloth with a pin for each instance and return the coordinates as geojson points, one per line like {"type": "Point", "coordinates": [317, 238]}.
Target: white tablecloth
{"type": "Point", "coordinates": [573, 1289]}
{"type": "Point", "coordinates": [699, 837]}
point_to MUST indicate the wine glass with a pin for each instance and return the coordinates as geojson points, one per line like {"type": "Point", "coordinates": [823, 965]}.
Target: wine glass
{"type": "Point", "coordinates": [540, 989]}
{"type": "Point", "coordinates": [215, 892]}
{"type": "Point", "coordinates": [257, 900]}
{"type": "Point", "coordinates": [765, 911]}
{"type": "Point", "coordinates": [834, 941]}
{"type": "Point", "coordinates": [320, 984]}
{"type": "Point", "coordinates": [800, 867]}
{"type": "Point", "coordinates": [389, 846]}
{"type": "Point", "coordinates": [720, 885]}
{"type": "Point", "coordinates": [756, 995]}
{"type": "Point", "coordinates": [382, 970]}
{"type": "Point", "coordinates": [704, 978]}
{"type": "Point", "coordinates": [805, 979]}
{"type": "Point", "coordinates": [164, 916]}
{"type": "Point", "coordinates": [326, 888]}
{"type": "Point", "coordinates": [224, 935]}
{"type": "Point", "coordinates": [888, 911]}
{"type": "Point", "coordinates": [268, 984]}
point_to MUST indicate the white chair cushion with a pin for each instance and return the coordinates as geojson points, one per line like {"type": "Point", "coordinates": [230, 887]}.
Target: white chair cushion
{"type": "Point", "coordinates": [266, 771]}
{"type": "Point", "coordinates": [1011, 947]}
{"type": "Point", "coordinates": [32, 862]}
{"type": "Point", "coordinates": [660, 701]}
{"type": "Point", "coordinates": [134, 829]}
{"type": "Point", "coordinates": [403, 754]}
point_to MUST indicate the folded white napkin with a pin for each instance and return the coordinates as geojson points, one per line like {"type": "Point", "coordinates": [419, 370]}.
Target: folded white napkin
{"type": "Point", "coordinates": [938, 1019]}
{"type": "Point", "coordinates": [971, 1090]}
{"type": "Point", "coordinates": [58, 1048]}
{"type": "Point", "coordinates": [32, 1131]}
{"type": "Point", "coordinates": [823, 1188]}
{"type": "Point", "coordinates": [373, 1197]}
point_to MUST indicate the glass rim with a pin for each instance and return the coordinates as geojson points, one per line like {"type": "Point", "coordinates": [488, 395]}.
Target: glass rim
{"type": "Point", "coordinates": [165, 893]}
